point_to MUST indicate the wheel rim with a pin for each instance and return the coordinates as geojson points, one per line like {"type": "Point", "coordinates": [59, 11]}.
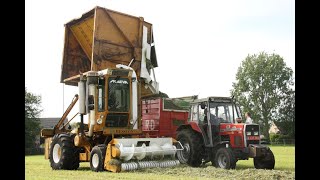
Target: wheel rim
{"type": "Point", "coordinates": [95, 160]}
{"type": "Point", "coordinates": [185, 153]}
{"type": "Point", "coordinates": [56, 153]}
{"type": "Point", "coordinates": [222, 161]}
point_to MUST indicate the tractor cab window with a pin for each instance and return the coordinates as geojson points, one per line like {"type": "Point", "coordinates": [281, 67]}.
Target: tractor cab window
{"type": "Point", "coordinates": [234, 113]}
{"type": "Point", "coordinates": [118, 94]}
{"type": "Point", "coordinates": [221, 113]}
{"type": "Point", "coordinates": [237, 112]}
{"type": "Point", "coordinates": [213, 115]}
{"type": "Point", "coordinates": [202, 115]}
{"type": "Point", "coordinates": [194, 113]}
{"type": "Point", "coordinates": [101, 95]}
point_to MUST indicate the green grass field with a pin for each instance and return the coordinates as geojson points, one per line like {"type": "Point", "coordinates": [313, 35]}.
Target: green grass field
{"type": "Point", "coordinates": [36, 167]}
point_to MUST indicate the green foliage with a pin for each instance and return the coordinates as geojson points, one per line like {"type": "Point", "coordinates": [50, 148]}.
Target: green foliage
{"type": "Point", "coordinates": [177, 104]}
{"type": "Point", "coordinates": [161, 94]}
{"type": "Point", "coordinates": [262, 84]}
{"type": "Point", "coordinates": [164, 95]}
{"type": "Point", "coordinates": [286, 115]}
{"type": "Point", "coordinates": [32, 123]}
{"type": "Point", "coordinates": [283, 136]}
{"type": "Point", "coordinates": [279, 137]}
{"type": "Point", "coordinates": [183, 104]}
{"type": "Point", "coordinates": [274, 137]}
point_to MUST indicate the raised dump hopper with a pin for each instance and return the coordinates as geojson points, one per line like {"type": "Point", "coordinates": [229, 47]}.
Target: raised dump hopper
{"type": "Point", "coordinates": [103, 38]}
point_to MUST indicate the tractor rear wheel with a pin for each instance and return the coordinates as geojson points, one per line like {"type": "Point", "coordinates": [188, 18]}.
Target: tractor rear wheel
{"type": "Point", "coordinates": [265, 162]}
{"type": "Point", "coordinates": [193, 148]}
{"type": "Point", "coordinates": [63, 153]}
{"type": "Point", "coordinates": [97, 157]}
{"type": "Point", "coordinates": [225, 159]}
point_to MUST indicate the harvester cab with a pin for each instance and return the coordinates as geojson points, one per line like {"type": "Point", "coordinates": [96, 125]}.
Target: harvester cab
{"type": "Point", "coordinates": [212, 134]}
{"type": "Point", "coordinates": [111, 140]}
{"type": "Point", "coordinates": [116, 54]}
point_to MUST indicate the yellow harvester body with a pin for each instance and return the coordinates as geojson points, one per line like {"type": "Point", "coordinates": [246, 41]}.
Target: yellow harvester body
{"type": "Point", "coordinates": [110, 56]}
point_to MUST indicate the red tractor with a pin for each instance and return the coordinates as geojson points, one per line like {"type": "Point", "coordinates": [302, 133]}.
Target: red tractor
{"type": "Point", "coordinates": [212, 134]}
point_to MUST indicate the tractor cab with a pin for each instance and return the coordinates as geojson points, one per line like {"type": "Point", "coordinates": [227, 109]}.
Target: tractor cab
{"type": "Point", "coordinates": [209, 113]}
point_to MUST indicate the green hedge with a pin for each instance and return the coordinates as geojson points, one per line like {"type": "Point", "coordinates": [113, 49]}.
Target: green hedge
{"type": "Point", "coordinates": [278, 137]}
{"type": "Point", "coordinates": [33, 151]}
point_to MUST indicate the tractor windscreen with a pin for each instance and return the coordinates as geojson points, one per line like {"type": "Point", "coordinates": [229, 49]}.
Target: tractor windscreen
{"type": "Point", "coordinates": [118, 94]}
{"type": "Point", "coordinates": [222, 112]}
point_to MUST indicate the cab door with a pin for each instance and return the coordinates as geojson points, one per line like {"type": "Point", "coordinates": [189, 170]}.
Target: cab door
{"type": "Point", "coordinates": [203, 123]}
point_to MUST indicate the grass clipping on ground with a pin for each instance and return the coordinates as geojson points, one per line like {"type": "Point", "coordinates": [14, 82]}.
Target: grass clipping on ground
{"type": "Point", "coordinates": [208, 172]}
{"type": "Point", "coordinates": [36, 167]}
{"type": "Point", "coordinates": [39, 168]}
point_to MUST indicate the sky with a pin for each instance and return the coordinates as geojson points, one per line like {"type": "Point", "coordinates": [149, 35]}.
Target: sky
{"type": "Point", "coordinates": [199, 44]}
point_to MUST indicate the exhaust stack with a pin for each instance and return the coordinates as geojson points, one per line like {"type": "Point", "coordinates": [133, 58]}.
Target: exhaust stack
{"type": "Point", "coordinates": [92, 81]}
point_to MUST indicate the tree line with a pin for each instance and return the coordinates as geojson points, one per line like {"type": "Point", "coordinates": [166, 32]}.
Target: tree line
{"type": "Point", "coordinates": [265, 87]}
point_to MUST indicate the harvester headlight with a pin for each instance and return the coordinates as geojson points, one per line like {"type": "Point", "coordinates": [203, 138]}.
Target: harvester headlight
{"type": "Point", "coordinates": [248, 133]}
{"type": "Point", "coordinates": [256, 133]}
{"type": "Point", "coordinates": [99, 121]}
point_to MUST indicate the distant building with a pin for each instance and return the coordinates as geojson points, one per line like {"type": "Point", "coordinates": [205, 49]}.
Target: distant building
{"type": "Point", "coordinates": [274, 129]}
{"type": "Point", "coordinates": [47, 123]}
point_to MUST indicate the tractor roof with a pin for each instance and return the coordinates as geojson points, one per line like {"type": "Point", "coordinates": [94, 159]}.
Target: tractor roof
{"type": "Point", "coordinates": [213, 99]}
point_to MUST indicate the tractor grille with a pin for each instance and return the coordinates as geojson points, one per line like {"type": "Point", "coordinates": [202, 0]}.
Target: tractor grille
{"type": "Point", "coordinates": [117, 120]}
{"type": "Point", "coordinates": [237, 140]}
{"type": "Point", "coordinates": [252, 142]}
{"type": "Point", "coordinates": [250, 131]}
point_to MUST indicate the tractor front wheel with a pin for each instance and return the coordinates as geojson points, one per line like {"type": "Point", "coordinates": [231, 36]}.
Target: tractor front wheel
{"type": "Point", "coordinates": [97, 158]}
{"type": "Point", "coordinates": [265, 162]}
{"type": "Point", "coordinates": [63, 153]}
{"type": "Point", "coordinates": [225, 159]}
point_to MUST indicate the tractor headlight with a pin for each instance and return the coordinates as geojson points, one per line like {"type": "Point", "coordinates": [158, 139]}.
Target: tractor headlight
{"type": "Point", "coordinates": [248, 133]}
{"type": "Point", "coordinates": [256, 133]}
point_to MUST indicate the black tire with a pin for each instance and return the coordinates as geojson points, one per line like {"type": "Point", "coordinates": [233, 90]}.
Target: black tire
{"type": "Point", "coordinates": [265, 162]}
{"type": "Point", "coordinates": [193, 148]}
{"type": "Point", "coordinates": [63, 153]}
{"type": "Point", "coordinates": [97, 157]}
{"type": "Point", "coordinates": [225, 159]}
